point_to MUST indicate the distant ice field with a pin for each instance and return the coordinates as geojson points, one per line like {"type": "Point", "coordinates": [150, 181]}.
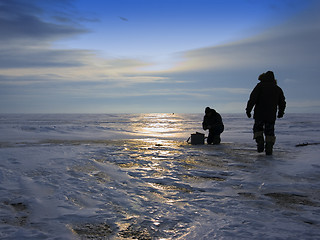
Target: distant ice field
{"type": "Point", "coordinates": [134, 176]}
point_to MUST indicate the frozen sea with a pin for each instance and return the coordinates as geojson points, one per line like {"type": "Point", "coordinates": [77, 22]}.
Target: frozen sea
{"type": "Point", "coordinates": [134, 176]}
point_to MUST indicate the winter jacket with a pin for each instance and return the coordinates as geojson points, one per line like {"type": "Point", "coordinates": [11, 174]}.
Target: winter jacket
{"type": "Point", "coordinates": [266, 98]}
{"type": "Point", "coordinates": [213, 121]}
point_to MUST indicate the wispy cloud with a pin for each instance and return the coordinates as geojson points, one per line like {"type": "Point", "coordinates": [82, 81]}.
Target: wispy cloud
{"type": "Point", "coordinates": [299, 106]}
{"type": "Point", "coordinates": [28, 55]}
{"type": "Point", "coordinates": [26, 38]}
{"type": "Point", "coordinates": [42, 58]}
{"type": "Point", "coordinates": [292, 44]}
{"type": "Point", "coordinates": [21, 23]}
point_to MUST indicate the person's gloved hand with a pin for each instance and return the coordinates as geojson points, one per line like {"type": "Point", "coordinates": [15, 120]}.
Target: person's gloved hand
{"type": "Point", "coordinates": [248, 114]}
{"type": "Point", "coordinates": [280, 114]}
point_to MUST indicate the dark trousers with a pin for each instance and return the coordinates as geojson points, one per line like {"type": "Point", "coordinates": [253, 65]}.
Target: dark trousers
{"type": "Point", "coordinates": [213, 139]}
{"type": "Point", "coordinates": [263, 126]}
{"type": "Point", "coordinates": [214, 135]}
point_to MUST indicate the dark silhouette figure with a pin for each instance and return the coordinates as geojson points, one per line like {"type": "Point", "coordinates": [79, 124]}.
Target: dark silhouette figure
{"type": "Point", "coordinates": [213, 121]}
{"type": "Point", "coordinates": [267, 98]}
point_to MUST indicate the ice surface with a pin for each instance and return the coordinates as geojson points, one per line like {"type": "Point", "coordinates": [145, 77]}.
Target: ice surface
{"type": "Point", "coordinates": [133, 176]}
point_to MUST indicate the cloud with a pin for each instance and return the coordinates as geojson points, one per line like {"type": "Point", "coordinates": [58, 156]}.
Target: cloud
{"type": "Point", "coordinates": [293, 44]}
{"type": "Point", "coordinates": [104, 91]}
{"type": "Point", "coordinates": [30, 28]}
{"type": "Point", "coordinates": [26, 38]}
{"type": "Point", "coordinates": [301, 106]}
{"type": "Point", "coordinates": [38, 58]}
{"type": "Point", "coordinates": [21, 22]}
{"type": "Point", "coordinates": [124, 63]}
{"type": "Point", "coordinates": [305, 103]}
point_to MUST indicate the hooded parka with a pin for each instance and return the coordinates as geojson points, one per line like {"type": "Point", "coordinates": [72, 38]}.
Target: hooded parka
{"type": "Point", "coordinates": [266, 98]}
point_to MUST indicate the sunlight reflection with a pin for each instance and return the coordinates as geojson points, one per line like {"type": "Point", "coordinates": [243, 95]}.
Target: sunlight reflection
{"type": "Point", "coordinates": [152, 157]}
{"type": "Point", "coordinates": [158, 125]}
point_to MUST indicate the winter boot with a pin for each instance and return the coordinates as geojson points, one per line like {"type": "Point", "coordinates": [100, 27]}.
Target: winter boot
{"type": "Point", "coordinates": [270, 140]}
{"type": "Point", "coordinates": [258, 136]}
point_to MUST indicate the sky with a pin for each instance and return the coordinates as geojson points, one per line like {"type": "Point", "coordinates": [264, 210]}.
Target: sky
{"type": "Point", "coordinates": [141, 56]}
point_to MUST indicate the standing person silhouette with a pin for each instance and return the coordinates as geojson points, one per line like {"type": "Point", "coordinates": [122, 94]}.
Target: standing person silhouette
{"type": "Point", "coordinates": [267, 98]}
{"type": "Point", "coordinates": [213, 121]}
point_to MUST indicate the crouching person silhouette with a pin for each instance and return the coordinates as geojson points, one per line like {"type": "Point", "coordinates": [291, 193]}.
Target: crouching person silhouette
{"type": "Point", "coordinates": [213, 122]}
{"type": "Point", "coordinates": [267, 98]}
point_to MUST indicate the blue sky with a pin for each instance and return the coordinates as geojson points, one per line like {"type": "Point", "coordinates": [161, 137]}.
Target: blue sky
{"type": "Point", "coordinates": [132, 56]}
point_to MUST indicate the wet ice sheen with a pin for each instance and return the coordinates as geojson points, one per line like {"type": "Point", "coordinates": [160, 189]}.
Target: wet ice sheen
{"type": "Point", "coordinates": [135, 177]}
